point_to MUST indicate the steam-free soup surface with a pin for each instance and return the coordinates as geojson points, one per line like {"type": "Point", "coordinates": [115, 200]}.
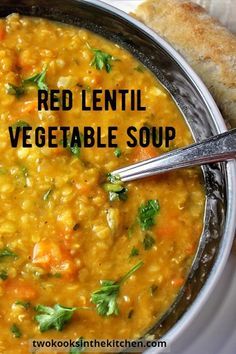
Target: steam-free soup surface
{"type": "Point", "coordinates": [63, 227]}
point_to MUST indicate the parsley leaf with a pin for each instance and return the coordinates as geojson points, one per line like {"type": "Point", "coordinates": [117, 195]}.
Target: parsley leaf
{"type": "Point", "coordinates": [113, 178]}
{"type": "Point", "coordinates": [116, 191]}
{"type": "Point", "coordinates": [57, 275]}
{"type": "Point", "coordinates": [21, 124]}
{"type": "Point", "coordinates": [117, 152]}
{"type": "Point", "coordinates": [47, 194]}
{"type": "Point", "coordinates": [115, 188]}
{"type": "Point", "coordinates": [3, 171]}
{"type": "Point", "coordinates": [6, 252]}
{"type": "Point", "coordinates": [25, 174]}
{"type": "Point", "coordinates": [38, 79]}
{"type": "Point", "coordinates": [105, 298]}
{"type": "Point", "coordinates": [15, 90]}
{"type": "Point", "coordinates": [53, 317]}
{"type": "Point", "coordinates": [78, 348]}
{"type": "Point", "coordinates": [75, 150]}
{"type": "Point", "coordinates": [24, 304]}
{"type": "Point", "coordinates": [101, 60]}
{"type": "Point", "coordinates": [73, 147]}
{"type": "Point", "coordinates": [131, 230]}
{"type": "Point", "coordinates": [147, 213]}
{"type": "Point", "coordinates": [139, 68]}
{"type": "Point", "coordinates": [134, 252]}
{"type": "Point", "coordinates": [16, 331]}
{"type": "Point", "coordinates": [3, 275]}
{"type": "Point", "coordinates": [148, 242]}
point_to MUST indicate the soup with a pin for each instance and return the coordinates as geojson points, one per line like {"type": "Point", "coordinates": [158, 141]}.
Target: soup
{"type": "Point", "coordinates": [64, 227]}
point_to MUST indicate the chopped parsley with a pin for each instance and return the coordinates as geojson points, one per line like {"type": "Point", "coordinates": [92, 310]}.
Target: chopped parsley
{"type": "Point", "coordinates": [47, 194]}
{"type": "Point", "coordinates": [73, 146]}
{"type": "Point", "coordinates": [105, 298]}
{"type": "Point", "coordinates": [78, 348]}
{"type": "Point", "coordinates": [53, 317]}
{"type": "Point", "coordinates": [116, 191]}
{"type": "Point", "coordinates": [24, 304]}
{"type": "Point", "coordinates": [15, 90]}
{"type": "Point", "coordinates": [15, 330]}
{"type": "Point", "coordinates": [139, 68]}
{"type": "Point", "coordinates": [75, 150]}
{"type": "Point", "coordinates": [6, 252]}
{"type": "Point", "coordinates": [88, 88]}
{"type": "Point", "coordinates": [57, 275]}
{"type": "Point", "coordinates": [148, 242]}
{"type": "Point", "coordinates": [3, 171]}
{"type": "Point", "coordinates": [115, 188]}
{"type": "Point", "coordinates": [147, 213]}
{"type": "Point", "coordinates": [3, 275]}
{"type": "Point", "coordinates": [117, 152]}
{"type": "Point", "coordinates": [134, 252]}
{"type": "Point", "coordinates": [38, 79]}
{"type": "Point", "coordinates": [113, 178]}
{"type": "Point", "coordinates": [25, 174]}
{"type": "Point", "coordinates": [130, 231]}
{"type": "Point", "coordinates": [101, 60]}
{"type": "Point", "coordinates": [21, 124]}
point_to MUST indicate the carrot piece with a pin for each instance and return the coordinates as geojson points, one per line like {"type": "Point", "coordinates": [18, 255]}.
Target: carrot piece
{"type": "Point", "coordinates": [141, 153]}
{"type": "Point", "coordinates": [168, 226]}
{"type": "Point", "coordinates": [166, 231]}
{"type": "Point", "coordinates": [2, 32]}
{"type": "Point", "coordinates": [53, 257]}
{"type": "Point", "coordinates": [29, 106]}
{"type": "Point", "coordinates": [178, 282]}
{"type": "Point", "coordinates": [190, 249]}
{"type": "Point", "coordinates": [20, 289]}
{"type": "Point", "coordinates": [83, 188]}
{"type": "Point", "coordinates": [59, 150]}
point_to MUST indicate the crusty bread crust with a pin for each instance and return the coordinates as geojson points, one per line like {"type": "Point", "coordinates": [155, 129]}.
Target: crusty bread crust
{"type": "Point", "coordinates": [208, 47]}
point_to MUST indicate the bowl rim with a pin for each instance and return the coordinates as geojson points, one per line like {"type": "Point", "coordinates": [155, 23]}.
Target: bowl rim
{"type": "Point", "coordinates": [230, 221]}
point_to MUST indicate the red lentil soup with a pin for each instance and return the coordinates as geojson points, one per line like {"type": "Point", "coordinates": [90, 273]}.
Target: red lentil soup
{"type": "Point", "coordinates": [63, 228]}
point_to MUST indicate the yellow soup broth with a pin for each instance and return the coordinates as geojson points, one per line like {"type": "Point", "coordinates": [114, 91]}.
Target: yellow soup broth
{"type": "Point", "coordinates": [60, 234]}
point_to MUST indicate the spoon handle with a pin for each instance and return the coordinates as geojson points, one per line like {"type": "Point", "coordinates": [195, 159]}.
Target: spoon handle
{"type": "Point", "coordinates": [215, 149]}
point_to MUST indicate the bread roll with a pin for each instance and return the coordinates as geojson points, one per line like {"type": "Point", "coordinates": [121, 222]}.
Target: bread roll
{"type": "Point", "coordinates": [207, 46]}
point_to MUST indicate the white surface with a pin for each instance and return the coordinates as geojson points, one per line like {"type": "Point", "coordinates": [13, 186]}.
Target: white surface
{"type": "Point", "coordinates": [224, 10]}
{"type": "Point", "coordinates": [125, 5]}
{"type": "Point", "coordinates": [214, 330]}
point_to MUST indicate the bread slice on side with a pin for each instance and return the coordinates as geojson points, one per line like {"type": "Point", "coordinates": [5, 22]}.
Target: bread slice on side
{"type": "Point", "coordinates": [207, 46]}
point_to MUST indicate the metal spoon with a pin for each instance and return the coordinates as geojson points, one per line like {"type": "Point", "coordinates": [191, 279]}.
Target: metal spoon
{"type": "Point", "coordinates": [218, 148]}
